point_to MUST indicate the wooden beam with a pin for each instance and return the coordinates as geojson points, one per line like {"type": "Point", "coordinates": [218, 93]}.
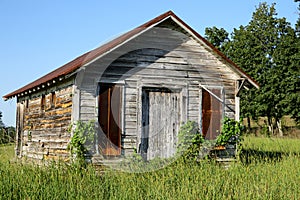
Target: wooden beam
{"type": "Point", "coordinates": [210, 92]}
{"type": "Point", "coordinates": [240, 86]}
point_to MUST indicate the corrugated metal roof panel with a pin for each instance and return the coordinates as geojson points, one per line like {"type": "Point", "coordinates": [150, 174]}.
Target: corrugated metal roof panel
{"type": "Point", "coordinates": [93, 54]}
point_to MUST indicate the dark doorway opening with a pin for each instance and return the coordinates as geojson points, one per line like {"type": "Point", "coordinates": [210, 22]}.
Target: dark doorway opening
{"type": "Point", "coordinates": [109, 117]}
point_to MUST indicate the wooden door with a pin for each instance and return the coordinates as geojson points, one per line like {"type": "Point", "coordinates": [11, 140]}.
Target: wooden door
{"type": "Point", "coordinates": [110, 103]}
{"type": "Point", "coordinates": [161, 119]}
{"type": "Point", "coordinates": [211, 114]}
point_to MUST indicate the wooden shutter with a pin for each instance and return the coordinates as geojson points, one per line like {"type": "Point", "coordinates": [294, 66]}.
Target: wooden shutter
{"type": "Point", "coordinates": [110, 118]}
{"type": "Point", "coordinates": [211, 113]}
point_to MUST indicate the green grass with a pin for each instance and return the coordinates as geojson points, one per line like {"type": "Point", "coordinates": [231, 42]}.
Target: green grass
{"type": "Point", "coordinates": [284, 145]}
{"type": "Point", "coordinates": [7, 152]}
{"type": "Point", "coordinates": [270, 179]}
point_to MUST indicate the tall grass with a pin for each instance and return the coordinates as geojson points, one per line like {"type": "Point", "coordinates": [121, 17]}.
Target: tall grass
{"type": "Point", "coordinates": [284, 145]}
{"type": "Point", "coordinates": [180, 180]}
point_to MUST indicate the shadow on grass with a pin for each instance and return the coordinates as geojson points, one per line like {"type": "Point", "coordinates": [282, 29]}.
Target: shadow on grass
{"type": "Point", "coordinates": [248, 156]}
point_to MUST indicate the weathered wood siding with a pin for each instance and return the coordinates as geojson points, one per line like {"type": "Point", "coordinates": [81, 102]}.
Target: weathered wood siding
{"type": "Point", "coordinates": [44, 121]}
{"type": "Point", "coordinates": [157, 58]}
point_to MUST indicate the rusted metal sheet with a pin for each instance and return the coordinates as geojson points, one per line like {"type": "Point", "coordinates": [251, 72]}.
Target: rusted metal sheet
{"type": "Point", "coordinates": [93, 54]}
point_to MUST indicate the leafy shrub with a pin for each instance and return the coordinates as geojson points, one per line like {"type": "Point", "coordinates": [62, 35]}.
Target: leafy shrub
{"type": "Point", "coordinates": [189, 140]}
{"type": "Point", "coordinates": [82, 140]}
{"type": "Point", "coordinates": [230, 132]}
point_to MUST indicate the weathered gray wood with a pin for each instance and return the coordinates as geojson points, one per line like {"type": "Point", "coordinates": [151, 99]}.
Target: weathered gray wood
{"type": "Point", "coordinates": [159, 58]}
{"type": "Point", "coordinates": [19, 128]}
{"type": "Point", "coordinates": [163, 114]}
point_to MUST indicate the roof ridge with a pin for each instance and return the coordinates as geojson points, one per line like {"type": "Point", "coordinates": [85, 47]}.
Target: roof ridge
{"type": "Point", "coordinates": [76, 63]}
{"type": "Point", "coordinates": [89, 56]}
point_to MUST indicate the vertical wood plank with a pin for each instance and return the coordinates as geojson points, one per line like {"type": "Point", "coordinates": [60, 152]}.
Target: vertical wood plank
{"type": "Point", "coordinates": [19, 128]}
{"type": "Point", "coordinates": [76, 104]}
{"type": "Point", "coordinates": [164, 116]}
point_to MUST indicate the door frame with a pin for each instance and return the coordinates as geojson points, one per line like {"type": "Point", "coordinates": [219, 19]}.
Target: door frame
{"type": "Point", "coordinates": [182, 89]}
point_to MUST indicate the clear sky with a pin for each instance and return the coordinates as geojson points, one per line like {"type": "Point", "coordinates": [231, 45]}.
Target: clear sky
{"type": "Point", "coordinates": [40, 36]}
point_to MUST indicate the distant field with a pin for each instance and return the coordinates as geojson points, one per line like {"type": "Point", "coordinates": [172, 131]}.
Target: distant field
{"type": "Point", "coordinates": [253, 177]}
{"type": "Point", "coordinates": [287, 121]}
{"type": "Point", "coordinates": [289, 127]}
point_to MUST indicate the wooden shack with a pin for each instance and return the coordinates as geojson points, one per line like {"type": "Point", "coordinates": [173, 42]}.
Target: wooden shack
{"type": "Point", "coordinates": [138, 88]}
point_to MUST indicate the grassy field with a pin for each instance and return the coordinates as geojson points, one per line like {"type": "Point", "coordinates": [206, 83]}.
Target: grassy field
{"type": "Point", "coordinates": [262, 149]}
{"type": "Point", "coordinates": [253, 177]}
{"type": "Point", "coordinates": [268, 144]}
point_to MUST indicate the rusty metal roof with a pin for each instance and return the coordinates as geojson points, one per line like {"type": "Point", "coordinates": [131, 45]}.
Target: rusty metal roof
{"type": "Point", "coordinates": [93, 54]}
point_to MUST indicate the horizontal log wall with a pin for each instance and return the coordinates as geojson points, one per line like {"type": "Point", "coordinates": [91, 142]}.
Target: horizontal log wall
{"type": "Point", "coordinates": [47, 118]}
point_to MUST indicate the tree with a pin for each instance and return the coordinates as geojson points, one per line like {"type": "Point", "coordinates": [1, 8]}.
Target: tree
{"type": "Point", "coordinates": [1, 122]}
{"type": "Point", "coordinates": [287, 59]}
{"type": "Point", "coordinates": [293, 101]}
{"type": "Point", "coordinates": [268, 50]}
{"type": "Point", "coordinates": [217, 37]}
{"type": "Point", "coordinates": [7, 134]}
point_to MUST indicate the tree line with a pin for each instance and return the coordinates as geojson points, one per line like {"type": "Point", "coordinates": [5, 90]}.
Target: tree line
{"type": "Point", "coordinates": [7, 133]}
{"type": "Point", "coordinates": [268, 49]}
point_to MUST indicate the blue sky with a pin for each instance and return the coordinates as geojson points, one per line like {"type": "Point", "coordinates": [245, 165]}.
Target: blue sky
{"type": "Point", "coordinates": [40, 36]}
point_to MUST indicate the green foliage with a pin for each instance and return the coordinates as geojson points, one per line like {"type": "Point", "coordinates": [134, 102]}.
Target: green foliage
{"type": "Point", "coordinates": [7, 135]}
{"type": "Point", "coordinates": [1, 122]}
{"type": "Point", "coordinates": [82, 140]}
{"type": "Point", "coordinates": [189, 140]}
{"type": "Point", "coordinates": [255, 48]}
{"type": "Point", "coordinates": [268, 49]}
{"type": "Point", "coordinates": [217, 37]}
{"type": "Point", "coordinates": [230, 128]}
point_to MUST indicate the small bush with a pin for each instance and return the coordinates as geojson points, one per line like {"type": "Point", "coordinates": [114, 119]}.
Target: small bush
{"type": "Point", "coordinates": [189, 140]}
{"type": "Point", "coordinates": [231, 130]}
{"type": "Point", "coordinates": [82, 140]}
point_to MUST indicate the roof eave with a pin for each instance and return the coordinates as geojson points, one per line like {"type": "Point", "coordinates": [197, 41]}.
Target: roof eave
{"type": "Point", "coordinates": [90, 56]}
{"type": "Point", "coordinates": [97, 53]}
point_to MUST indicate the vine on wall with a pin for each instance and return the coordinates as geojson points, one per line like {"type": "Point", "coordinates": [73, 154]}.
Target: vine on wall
{"type": "Point", "coordinates": [82, 141]}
